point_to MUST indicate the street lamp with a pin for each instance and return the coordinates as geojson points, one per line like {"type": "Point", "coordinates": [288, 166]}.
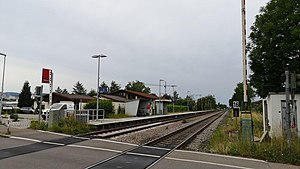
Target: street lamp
{"type": "Point", "coordinates": [173, 97]}
{"type": "Point", "coordinates": [1, 96]}
{"type": "Point", "coordinates": [98, 78]}
{"type": "Point", "coordinates": [159, 109]}
{"type": "Point", "coordinates": [187, 100]}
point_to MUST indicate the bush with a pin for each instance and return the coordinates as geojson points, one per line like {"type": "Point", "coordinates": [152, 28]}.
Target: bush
{"type": "Point", "coordinates": [39, 126]}
{"type": "Point", "coordinates": [224, 141]}
{"type": "Point", "coordinates": [14, 116]}
{"type": "Point", "coordinates": [71, 126]}
{"type": "Point", "coordinates": [177, 108]}
{"type": "Point", "coordinates": [103, 104]}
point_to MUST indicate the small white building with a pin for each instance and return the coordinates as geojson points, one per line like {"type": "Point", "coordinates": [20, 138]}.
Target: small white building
{"type": "Point", "coordinates": [117, 101]}
{"type": "Point", "coordinates": [274, 114]}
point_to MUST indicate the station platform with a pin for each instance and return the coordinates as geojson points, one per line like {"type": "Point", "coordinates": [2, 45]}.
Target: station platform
{"type": "Point", "coordinates": [116, 120]}
{"type": "Point", "coordinates": [104, 124]}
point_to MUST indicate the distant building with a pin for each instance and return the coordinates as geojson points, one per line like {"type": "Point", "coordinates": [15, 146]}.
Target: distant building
{"type": "Point", "coordinates": [11, 96]}
{"type": "Point", "coordinates": [78, 100]}
{"type": "Point", "coordinates": [142, 104]}
{"type": "Point", "coordinates": [117, 101]}
{"type": "Point", "coordinates": [10, 100]}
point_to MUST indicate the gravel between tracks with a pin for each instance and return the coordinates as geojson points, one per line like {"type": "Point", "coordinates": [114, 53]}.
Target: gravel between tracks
{"type": "Point", "coordinates": [201, 141]}
{"type": "Point", "coordinates": [141, 137]}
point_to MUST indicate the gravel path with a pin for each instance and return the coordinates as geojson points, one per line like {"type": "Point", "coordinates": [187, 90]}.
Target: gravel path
{"type": "Point", "coordinates": [23, 121]}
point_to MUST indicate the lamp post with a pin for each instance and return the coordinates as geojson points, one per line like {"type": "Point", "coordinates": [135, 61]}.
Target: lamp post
{"type": "Point", "coordinates": [1, 96]}
{"type": "Point", "coordinates": [98, 79]}
{"type": "Point", "coordinates": [173, 97]}
{"type": "Point", "coordinates": [159, 105]}
{"type": "Point", "coordinates": [187, 100]}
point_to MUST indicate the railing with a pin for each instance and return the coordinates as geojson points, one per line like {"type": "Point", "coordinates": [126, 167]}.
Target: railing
{"type": "Point", "coordinates": [84, 115]}
{"type": "Point", "coordinates": [90, 114]}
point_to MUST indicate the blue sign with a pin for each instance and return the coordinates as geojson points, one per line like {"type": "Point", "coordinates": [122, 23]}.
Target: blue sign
{"type": "Point", "coordinates": [103, 90]}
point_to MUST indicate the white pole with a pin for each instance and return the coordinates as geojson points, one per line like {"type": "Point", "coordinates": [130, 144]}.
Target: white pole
{"type": "Point", "coordinates": [50, 87]}
{"type": "Point", "coordinates": [245, 82]}
{"type": "Point", "coordinates": [2, 87]}
{"type": "Point", "coordinates": [98, 79]}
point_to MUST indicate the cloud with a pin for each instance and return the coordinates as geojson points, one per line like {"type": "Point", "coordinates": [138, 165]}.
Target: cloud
{"type": "Point", "coordinates": [193, 44]}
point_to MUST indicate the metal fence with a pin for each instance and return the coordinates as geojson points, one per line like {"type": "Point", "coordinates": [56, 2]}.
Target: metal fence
{"type": "Point", "coordinates": [85, 115]}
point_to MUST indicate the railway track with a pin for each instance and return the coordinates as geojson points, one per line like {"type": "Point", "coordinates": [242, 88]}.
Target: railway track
{"type": "Point", "coordinates": [180, 138]}
{"type": "Point", "coordinates": [130, 129]}
{"type": "Point", "coordinates": [147, 155]}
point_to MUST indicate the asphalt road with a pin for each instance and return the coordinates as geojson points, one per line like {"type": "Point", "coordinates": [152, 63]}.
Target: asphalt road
{"type": "Point", "coordinates": [29, 149]}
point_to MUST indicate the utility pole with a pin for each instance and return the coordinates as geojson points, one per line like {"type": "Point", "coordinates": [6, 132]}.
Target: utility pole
{"type": "Point", "coordinates": [244, 52]}
{"type": "Point", "coordinates": [287, 109]}
{"type": "Point", "coordinates": [246, 123]}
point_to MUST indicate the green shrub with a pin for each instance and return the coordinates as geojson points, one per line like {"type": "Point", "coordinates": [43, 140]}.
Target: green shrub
{"type": "Point", "coordinates": [71, 126]}
{"type": "Point", "coordinates": [177, 108]}
{"type": "Point", "coordinates": [103, 104]}
{"type": "Point", "coordinates": [39, 126]}
{"type": "Point", "coordinates": [14, 116]}
{"type": "Point", "coordinates": [276, 150]}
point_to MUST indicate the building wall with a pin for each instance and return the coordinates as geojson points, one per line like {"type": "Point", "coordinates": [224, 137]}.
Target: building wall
{"type": "Point", "coordinates": [272, 114]}
{"type": "Point", "coordinates": [117, 105]}
{"type": "Point", "coordinates": [131, 108]}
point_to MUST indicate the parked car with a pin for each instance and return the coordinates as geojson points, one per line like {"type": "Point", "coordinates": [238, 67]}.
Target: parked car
{"type": "Point", "coordinates": [57, 106]}
{"type": "Point", "coordinates": [27, 110]}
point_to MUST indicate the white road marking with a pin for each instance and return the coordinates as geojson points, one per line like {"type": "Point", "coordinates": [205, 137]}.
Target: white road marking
{"type": "Point", "coordinates": [219, 155]}
{"type": "Point", "coordinates": [59, 134]}
{"type": "Point", "coordinates": [82, 138]}
{"type": "Point", "coordinates": [158, 148]}
{"type": "Point", "coordinates": [94, 148]}
{"type": "Point", "coordinates": [53, 143]}
{"type": "Point", "coordinates": [27, 139]}
{"type": "Point", "coordinates": [65, 135]}
{"type": "Point", "coordinates": [209, 163]}
{"type": "Point", "coordinates": [145, 155]}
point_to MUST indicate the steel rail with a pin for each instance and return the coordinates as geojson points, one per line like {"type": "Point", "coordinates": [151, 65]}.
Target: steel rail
{"type": "Point", "coordinates": [137, 150]}
{"type": "Point", "coordinates": [164, 121]}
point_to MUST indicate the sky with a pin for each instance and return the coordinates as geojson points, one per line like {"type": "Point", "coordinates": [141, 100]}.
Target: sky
{"type": "Point", "coordinates": [193, 44]}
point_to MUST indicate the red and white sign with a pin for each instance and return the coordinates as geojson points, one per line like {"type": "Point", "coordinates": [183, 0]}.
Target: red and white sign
{"type": "Point", "coordinates": [46, 73]}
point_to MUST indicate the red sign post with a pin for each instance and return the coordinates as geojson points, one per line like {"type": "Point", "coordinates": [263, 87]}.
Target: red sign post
{"type": "Point", "coordinates": [46, 75]}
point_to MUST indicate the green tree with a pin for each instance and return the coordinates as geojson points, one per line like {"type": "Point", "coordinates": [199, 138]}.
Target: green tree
{"type": "Point", "coordinates": [79, 89]}
{"type": "Point", "coordinates": [137, 86]}
{"type": "Point", "coordinates": [25, 96]}
{"type": "Point", "coordinates": [175, 96]}
{"type": "Point", "coordinates": [206, 103]}
{"type": "Point", "coordinates": [103, 84]}
{"type": "Point", "coordinates": [92, 93]}
{"type": "Point", "coordinates": [238, 94]}
{"type": "Point", "coordinates": [274, 44]}
{"type": "Point", "coordinates": [114, 87]}
{"type": "Point", "coordinates": [65, 91]}
{"type": "Point", "coordinates": [103, 104]}
{"type": "Point", "coordinates": [58, 90]}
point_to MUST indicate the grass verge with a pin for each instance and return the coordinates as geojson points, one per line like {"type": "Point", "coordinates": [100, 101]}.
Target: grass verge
{"type": "Point", "coordinates": [67, 126]}
{"type": "Point", "coordinates": [226, 140]}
